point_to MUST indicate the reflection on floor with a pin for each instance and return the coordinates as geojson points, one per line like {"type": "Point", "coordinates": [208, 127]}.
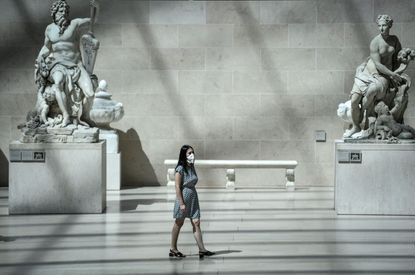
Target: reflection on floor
{"type": "Point", "coordinates": [252, 230]}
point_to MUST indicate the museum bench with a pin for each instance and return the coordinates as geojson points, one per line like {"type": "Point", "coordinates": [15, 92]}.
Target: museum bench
{"type": "Point", "coordinates": [231, 165]}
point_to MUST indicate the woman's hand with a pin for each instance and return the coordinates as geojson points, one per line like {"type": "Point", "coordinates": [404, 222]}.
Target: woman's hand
{"type": "Point", "coordinates": [182, 207]}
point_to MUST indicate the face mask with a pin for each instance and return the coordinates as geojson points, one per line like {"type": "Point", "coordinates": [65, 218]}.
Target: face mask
{"type": "Point", "coordinates": [191, 158]}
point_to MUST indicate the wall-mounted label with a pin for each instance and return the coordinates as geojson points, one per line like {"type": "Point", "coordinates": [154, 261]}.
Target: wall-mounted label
{"type": "Point", "coordinates": [349, 156]}
{"type": "Point", "coordinates": [320, 135]}
{"type": "Point", "coordinates": [27, 156]}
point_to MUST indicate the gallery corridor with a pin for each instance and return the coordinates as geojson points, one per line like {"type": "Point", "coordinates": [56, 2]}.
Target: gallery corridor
{"type": "Point", "coordinates": [253, 231]}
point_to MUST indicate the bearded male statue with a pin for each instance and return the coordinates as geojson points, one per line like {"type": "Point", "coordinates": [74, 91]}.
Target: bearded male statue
{"type": "Point", "coordinates": [60, 74]}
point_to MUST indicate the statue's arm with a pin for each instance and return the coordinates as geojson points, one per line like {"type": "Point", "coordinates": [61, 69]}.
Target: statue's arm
{"type": "Point", "coordinates": [46, 48]}
{"type": "Point", "coordinates": [82, 21]}
{"type": "Point", "coordinates": [395, 62]}
{"type": "Point", "coordinates": [375, 56]}
{"type": "Point", "coordinates": [94, 15]}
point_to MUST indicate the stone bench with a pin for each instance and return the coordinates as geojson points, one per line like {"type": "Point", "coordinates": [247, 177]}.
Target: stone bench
{"type": "Point", "coordinates": [230, 165]}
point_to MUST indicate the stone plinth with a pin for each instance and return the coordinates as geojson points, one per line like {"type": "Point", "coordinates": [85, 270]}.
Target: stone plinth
{"type": "Point", "coordinates": [113, 158]}
{"type": "Point", "coordinates": [376, 179]}
{"type": "Point", "coordinates": [71, 179]}
{"type": "Point", "coordinates": [68, 134]}
{"type": "Point", "coordinates": [113, 171]}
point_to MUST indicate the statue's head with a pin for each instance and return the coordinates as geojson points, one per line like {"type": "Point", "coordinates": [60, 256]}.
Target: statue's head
{"type": "Point", "coordinates": [384, 19]}
{"type": "Point", "coordinates": [382, 109]}
{"type": "Point", "coordinates": [49, 95]}
{"type": "Point", "coordinates": [60, 14]}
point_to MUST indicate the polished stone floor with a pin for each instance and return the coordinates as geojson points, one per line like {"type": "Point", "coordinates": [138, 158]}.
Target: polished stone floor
{"type": "Point", "coordinates": [253, 231]}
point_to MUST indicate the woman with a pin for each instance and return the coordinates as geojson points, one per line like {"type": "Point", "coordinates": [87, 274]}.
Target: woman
{"type": "Point", "coordinates": [187, 202]}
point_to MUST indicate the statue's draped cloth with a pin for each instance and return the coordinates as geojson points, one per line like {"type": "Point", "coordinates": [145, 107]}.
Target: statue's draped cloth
{"type": "Point", "coordinates": [70, 70]}
{"type": "Point", "coordinates": [363, 80]}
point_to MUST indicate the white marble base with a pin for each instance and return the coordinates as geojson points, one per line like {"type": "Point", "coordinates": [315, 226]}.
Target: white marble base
{"type": "Point", "coordinates": [111, 137]}
{"type": "Point", "coordinates": [113, 158]}
{"type": "Point", "coordinates": [113, 171]}
{"type": "Point", "coordinates": [71, 180]}
{"type": "Point", "coordinates": [382, 184]}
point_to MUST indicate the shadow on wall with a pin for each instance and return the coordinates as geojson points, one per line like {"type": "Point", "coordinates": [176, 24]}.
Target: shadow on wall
{"type": "Point", "coordinates": [136, 169]}
{"type": "Point", "coordinates": [4, 170]}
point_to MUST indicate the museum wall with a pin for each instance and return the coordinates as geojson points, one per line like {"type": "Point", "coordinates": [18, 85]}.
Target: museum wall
{"type": "Point", "coordinates": [238, 80]}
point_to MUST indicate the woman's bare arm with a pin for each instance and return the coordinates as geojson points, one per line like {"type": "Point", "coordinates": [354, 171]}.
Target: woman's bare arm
{"type": "Point", "coordinates": [178, 182]}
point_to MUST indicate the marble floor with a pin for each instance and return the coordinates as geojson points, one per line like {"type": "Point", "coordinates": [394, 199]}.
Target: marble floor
{"type": "Point", "coordinates": [253, 231]}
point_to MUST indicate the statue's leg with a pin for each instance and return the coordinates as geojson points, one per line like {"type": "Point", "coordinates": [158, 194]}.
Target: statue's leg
{"type": "Point", "coordinates": [79, 116]}
{"type": "Point", "coordinates": [405, 135]}
{"type": "Point", "coordinates": [369, 98]}
{"type": "Point", "coordinates": [376, 91]}
{"type": "Point", "coordinates": [44, 113]}
{"type": "Point", "coordinates": [58, 81]}
{"type": "Point", "coordinates": [356, 114]}
{"type": "Point", "coordinates": [85, 83]}
{"type": "Point", "coordinates": [409, 129]}
{"type": "Point", "coordinates": [400, 103]}
{"type": "Point", "coordinates": [42, 107]}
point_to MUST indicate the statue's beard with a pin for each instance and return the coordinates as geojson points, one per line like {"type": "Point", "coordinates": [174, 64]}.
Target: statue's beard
{"type": "Point", "coordinates": [62, 22]}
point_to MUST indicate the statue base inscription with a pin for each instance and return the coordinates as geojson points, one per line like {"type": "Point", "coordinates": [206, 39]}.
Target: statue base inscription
{"type": "Point", "coordinates": [57, 178]}
{"type": "Point", "coordinates": [374, 179]}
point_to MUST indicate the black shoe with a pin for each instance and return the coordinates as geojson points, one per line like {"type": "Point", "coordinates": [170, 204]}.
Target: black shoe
{"type": "Point", "coordinates": [205, 253]}
{"type": "Point", "coordinates": [177, 254]}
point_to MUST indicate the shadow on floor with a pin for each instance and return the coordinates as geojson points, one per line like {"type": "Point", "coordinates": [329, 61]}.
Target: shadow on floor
{"type": "Point", "coordinates": [136, 169]}
{"type": "Point", "coordinates": [127, 205]}
{"type": "Point", "coordinates": [6, 239]}
{"type": "Point", "coordinates": [219, 252]}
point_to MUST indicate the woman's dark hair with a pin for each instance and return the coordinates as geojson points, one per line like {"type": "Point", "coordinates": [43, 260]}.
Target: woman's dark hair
{"type": "Point", "coordinates": [182, 156]}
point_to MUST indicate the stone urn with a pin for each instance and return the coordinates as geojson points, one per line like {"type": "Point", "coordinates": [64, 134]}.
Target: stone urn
{"type": "Point", "coordinates": [105, 110]}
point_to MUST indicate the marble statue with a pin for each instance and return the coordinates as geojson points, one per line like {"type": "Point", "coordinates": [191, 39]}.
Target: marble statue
{"type": "Point", "coordinates": [380, 77]}
{"type": "Point", "coordinates": [60, 74]}
{"type": "Point", "coordinates": [65, 80]}
{"type": "Point", "coordinates": [71, 106]}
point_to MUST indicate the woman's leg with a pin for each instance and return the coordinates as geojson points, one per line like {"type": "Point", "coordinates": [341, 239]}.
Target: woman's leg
{"type": "Point", "coordinates": [178, 223]}
{"type": "Point", "coordinates": [198, 234]}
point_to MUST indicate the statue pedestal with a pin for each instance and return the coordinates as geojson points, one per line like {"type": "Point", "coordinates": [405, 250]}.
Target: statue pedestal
{"type": "Point", "coordinates": [60, 178]}
{"type": "Point", "coordinates": [374, 179]}
{"type": "Point", "coordinates": [113, 158]}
